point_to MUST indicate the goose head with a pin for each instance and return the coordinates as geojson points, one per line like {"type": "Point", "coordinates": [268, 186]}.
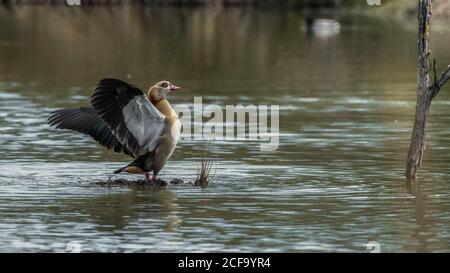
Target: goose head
{"type": "Point", "coordinates": [160, 90]}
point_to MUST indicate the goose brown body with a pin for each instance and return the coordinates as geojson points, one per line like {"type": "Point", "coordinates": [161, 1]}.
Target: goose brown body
{"type": "Point", "coordinates": [166, 144]}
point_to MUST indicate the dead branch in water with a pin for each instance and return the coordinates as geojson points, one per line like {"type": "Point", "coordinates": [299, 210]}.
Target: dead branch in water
{"type": "Point", "coordinates": [425, 92]}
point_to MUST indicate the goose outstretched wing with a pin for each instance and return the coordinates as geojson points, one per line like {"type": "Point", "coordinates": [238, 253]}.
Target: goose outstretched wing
{"type": "Point", "coordinates": [131, 117]}
{"type": "Point", "coordinates": [85, 120]}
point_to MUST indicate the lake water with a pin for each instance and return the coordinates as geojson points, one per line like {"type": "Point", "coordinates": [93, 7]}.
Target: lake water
{"type": "Point", "coordinates": [334, 184]}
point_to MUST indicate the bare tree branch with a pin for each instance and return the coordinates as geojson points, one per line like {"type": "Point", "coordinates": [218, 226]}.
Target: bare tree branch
{"type": "Point", "coordinates": [425, 91]}
{"type": "Point", "coordinates": [435, 71]}
{"type": "Point", "coordinates": [434, 89]}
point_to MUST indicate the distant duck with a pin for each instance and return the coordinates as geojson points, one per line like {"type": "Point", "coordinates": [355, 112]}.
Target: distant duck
{"type": "Point", "coordinates": [323, 27]}
{"type": "Point", "coordinates": [127, 120]}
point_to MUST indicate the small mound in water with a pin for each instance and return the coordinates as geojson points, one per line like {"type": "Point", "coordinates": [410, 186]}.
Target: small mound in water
{"type": "Point", "coordinates": [120, 182]}
{"type": "Point", "coordinates": [130, 183]}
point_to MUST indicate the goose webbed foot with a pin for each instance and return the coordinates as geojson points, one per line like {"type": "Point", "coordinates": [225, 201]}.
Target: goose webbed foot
{"type": "Point", "coordinates": [147, 177]}
{"type": "Point", "coordinates": [151, 180]}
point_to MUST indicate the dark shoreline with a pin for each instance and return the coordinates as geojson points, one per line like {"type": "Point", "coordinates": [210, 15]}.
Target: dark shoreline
{"type": "Point", "coordinates": [187, 3]}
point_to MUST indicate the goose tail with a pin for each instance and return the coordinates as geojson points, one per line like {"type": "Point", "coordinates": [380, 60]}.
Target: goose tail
{"type": "Point", "coordinates": [121, 169]}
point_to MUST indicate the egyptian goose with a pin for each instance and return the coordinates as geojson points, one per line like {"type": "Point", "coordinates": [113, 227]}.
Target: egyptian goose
{"type": "Point", "coordinates": [126, 120]}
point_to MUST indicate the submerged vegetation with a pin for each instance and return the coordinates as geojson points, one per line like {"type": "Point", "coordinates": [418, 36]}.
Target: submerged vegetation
{"type": "Point", "coordinates": [206, 169]}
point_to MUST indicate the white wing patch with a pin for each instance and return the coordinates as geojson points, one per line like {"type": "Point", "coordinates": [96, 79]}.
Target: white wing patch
{"type": "Point", "coordinates": [144, 122]}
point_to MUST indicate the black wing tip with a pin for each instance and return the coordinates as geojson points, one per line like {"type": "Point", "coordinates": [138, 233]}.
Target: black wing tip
{"type": "Point", "coordinates": [107, 85]}
{"type": "Point", "coordinates": [112, 81]}
{"type": "Point", "coordinates": [85, 120]}
{"type": "Point", "coordinates": [53, 116]}
{"type": "Point", "coordinates": [57, 116]}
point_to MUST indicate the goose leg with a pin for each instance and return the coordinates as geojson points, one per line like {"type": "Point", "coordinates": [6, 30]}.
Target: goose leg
{"type": "Point", "coordinates": [147, 177]}
{"type": "Point", "coordinates": [155, 173]}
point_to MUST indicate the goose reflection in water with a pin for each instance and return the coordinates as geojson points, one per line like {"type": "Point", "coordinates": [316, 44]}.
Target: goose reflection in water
{"type": "Point", "coordinates": [117, 211]}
